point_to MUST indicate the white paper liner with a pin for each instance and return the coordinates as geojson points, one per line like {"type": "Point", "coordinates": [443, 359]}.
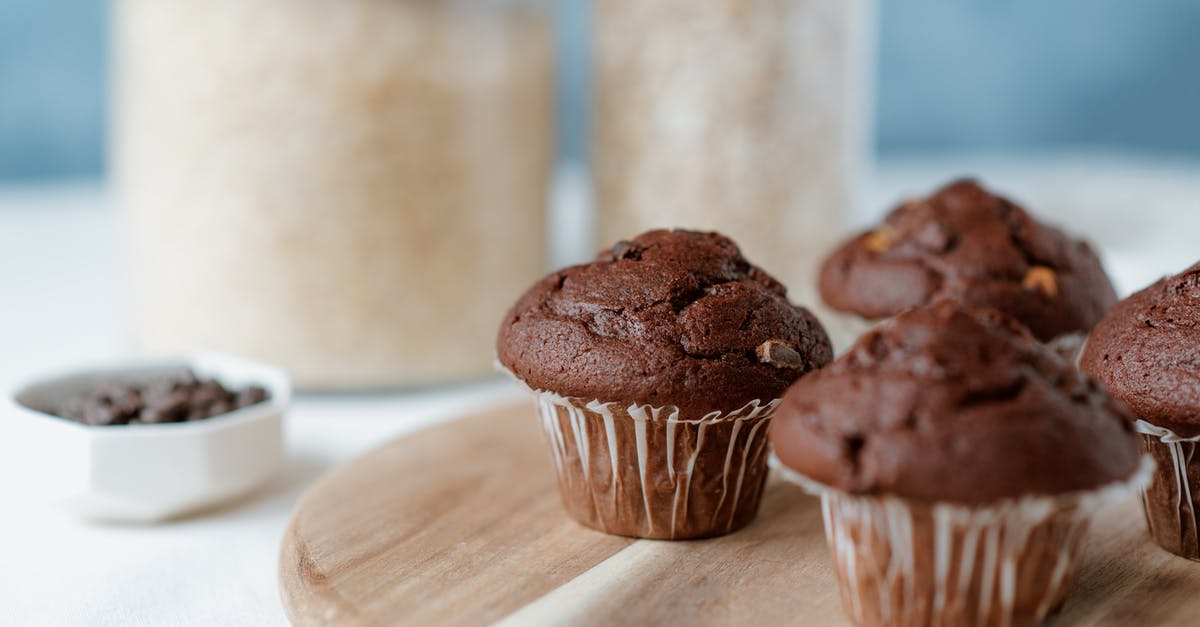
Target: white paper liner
{"type": "Point", "coordinates": [1069, 345]}
{"type": "Point", "coordinates": [1164, 434]}
{"type": "Point", "coordinates": [1180, 533]}
{"type": "Point", "coordinates": [565, 422]}
{"type": "Point", "coordinates": [980, 553]}
{"type": "Point", "coordinates": [1083, 342]}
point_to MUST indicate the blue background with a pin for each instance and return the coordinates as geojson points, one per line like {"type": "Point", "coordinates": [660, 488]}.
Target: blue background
{"type": "Point", "coordinates": [997, 75]}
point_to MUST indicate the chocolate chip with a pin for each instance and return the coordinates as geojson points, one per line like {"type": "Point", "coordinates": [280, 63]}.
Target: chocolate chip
{"type": "Point", "coordinates": [185, 381]}
{"type": "Point", "coordinates": [628, 250]}
{"type": "Point", "coordinates": [779, 354]}
{"type": "Point", "coordinates": [207, 393]}
{"type": "Point", "coordinates": [100, 415]}
{"type": "Point", "coordinates": [220, 407]}
{"type": "Point", "coordinates": [250, 396]}
{"type": "Point", "coordinates": [159, 399]}
{"type": "Point", "coordinates": [173, 408]}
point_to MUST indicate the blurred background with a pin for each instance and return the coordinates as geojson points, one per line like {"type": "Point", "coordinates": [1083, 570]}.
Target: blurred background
{"type": "Point", "coordinates": [975, 75]}
{"type": "Point", "coordinates": [298, 181]}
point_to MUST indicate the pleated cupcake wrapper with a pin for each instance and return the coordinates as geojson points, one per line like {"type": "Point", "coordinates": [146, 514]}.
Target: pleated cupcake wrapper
{"type": "Point", "coordinates": [906, 562]}
{"type": "Point", "coordinates": [1170, 500]}
{"type": "Point", "coordinates": [1083, 341]}
{"type": "Point", "coordinates": [1069, 345]}
{"type": "Point", "coordinates": [654, 472]}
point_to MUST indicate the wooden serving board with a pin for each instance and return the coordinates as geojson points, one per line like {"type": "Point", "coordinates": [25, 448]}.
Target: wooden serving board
{"type": "Point", "coordinates": [461, 525]}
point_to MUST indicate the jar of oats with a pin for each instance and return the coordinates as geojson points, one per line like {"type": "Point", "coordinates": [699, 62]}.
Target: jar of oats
{"type": "Point", "coordinates": [351, 189]}
{"type": "Point", "coordinates": [744, 116]}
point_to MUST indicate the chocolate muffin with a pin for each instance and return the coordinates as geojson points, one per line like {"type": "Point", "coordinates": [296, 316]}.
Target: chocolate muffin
{"type": "Point", "coordinates": [1147, 349]}
{"type": "Point", "coordinates": [967, 244]}
{"type": "Point", "coordinates": [656, 368]}
{"type": "Point", "coordinates": [957, 459]}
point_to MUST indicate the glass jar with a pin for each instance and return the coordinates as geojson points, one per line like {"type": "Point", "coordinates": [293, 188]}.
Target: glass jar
{"type": "Point", "coordinates": [352, 189]}
{"type": "Point", "coordinates": [744, 116]}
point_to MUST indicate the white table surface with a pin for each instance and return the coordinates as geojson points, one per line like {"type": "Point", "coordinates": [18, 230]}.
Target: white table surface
{"type": "Point", "coordinates": [60, 305]}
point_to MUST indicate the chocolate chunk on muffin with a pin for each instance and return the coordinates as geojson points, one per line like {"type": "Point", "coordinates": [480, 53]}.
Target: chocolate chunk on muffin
{"type": "Point", "coordinates": [656, 368]}
{"type": "Point", "coordinates": [967, 244]}
{"type": "Point", "coordinates": [940, 428]}
{"type": "Point", "coordinates": [1147, 350]}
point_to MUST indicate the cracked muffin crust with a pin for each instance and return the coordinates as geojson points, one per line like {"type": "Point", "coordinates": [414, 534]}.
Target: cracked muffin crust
{"type": "Point", "coordinates": [954, 403]}
{"type": "Point", "coordinates": [1147, 350]}
{"type": "Point", "coordinates": [671, 317]}
{"type": "Point", "coordinates": [970, 245]}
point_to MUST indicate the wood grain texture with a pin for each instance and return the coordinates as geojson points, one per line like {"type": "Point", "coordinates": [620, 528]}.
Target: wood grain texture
{"type": "Point", "coordinates": [456, 525]}
{"type": "Point", "coordinates": [462, 525]}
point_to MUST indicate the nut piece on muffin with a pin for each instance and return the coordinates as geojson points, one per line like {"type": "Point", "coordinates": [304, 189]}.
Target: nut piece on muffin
{"type": "Point", "coordinates": [958, 460]}
{"type": "Point", "coordinates": [967, 244]}
{"type": "Point", "coordinates": [656, 368]}
{"type": "Point", "coordinates": [1147, 350]}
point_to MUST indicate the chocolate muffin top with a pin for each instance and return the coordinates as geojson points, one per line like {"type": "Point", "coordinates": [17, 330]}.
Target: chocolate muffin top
{"type": "Point", "coordinates": [670, 318]}
{"type": "Point", "coordinates": [954, 403]}
{"type": "Point", "coordinates": [967, 244]}
{"type": "Point", "coordinates": [1147, 349]}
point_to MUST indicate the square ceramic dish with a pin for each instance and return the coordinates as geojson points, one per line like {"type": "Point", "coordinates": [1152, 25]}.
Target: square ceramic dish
{"type": "Point", "coordinates": [144, 473]}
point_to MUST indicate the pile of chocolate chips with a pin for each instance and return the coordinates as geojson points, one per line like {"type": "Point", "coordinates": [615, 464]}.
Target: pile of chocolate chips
{"type": "Point", "coordinates": [177, 397]}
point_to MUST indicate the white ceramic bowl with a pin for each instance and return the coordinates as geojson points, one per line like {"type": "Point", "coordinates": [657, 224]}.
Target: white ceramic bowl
{"type": "Point", "coordinates": [150, 472]}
